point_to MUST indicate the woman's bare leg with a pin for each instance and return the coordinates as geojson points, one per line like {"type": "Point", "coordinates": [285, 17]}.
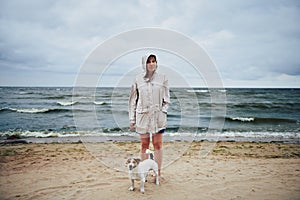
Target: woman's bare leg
{"type": "Point", "coordinates": [145, 141]}
{"type": "Point", "coordinates": [157, 144]}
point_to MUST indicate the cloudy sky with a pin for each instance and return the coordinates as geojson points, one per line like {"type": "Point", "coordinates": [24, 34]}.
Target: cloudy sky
{"type": "Point", "coordinates": [252, 43]}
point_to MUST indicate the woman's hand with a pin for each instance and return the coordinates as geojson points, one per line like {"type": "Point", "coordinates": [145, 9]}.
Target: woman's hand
{"type": "Point", "coordinates": [132, 128]}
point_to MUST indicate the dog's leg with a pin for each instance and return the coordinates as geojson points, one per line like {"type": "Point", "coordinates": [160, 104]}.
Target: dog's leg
{"type": "Point", "coordinates": [131, 188]}
{"type": "Point", "coordinates": [143, 180]}
{"type": "Point", "coordinates": [156, 177]}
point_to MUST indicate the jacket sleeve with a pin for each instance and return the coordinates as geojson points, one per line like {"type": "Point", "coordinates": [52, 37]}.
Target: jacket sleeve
{"type": "Point", "coordinates": [166, 95]}
{"type": "Point", "coordinates": [133, 103]}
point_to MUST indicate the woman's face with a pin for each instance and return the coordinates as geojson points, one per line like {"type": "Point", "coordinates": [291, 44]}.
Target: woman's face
{"type": "Point", "coordinates": [151, 64]}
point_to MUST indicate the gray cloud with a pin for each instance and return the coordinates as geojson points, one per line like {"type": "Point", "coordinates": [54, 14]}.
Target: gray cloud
{"type": "Point", "coordinates": [248, 40]}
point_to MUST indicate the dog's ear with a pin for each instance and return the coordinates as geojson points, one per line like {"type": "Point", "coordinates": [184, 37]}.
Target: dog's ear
{"type": "Point", "coordinates": [128, 161]}
{"type": "Point", "coordinates": [137, 160]}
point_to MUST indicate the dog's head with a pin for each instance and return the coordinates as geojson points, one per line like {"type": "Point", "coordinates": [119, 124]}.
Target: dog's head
{"type": "Point", "coordinates": [132, 163]}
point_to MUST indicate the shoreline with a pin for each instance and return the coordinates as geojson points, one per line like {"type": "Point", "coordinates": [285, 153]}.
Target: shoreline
{"type": "Point", "coordinates": [126, 138]}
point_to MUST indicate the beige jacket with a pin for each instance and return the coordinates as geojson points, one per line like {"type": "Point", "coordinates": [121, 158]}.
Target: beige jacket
{"type": "Point", "coordinates": [149, 101]}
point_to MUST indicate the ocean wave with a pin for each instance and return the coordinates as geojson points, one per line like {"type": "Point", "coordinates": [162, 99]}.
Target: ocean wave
{"type": "Point", "coordinates": [265, 105]}
{"type": "Point", "coordinates": [66, 103]}
{"type": "Point", "coordinates": [48, 134]}
{"type": "Point", "coordinates": [54, 97]}
{"type": "Point", "coordinates": [83, 97]}
{"type": "Point", "coordinates": [176, 135]}
{"type": "Point", "coordinates": [30, 110]}
{"type": "Point", "coordinates": [33, 110]}
{"type": "Point", "coordinates": [205, 90]}
{"type": "Point", "coordinates": [40, 134]}
{"type": "Point", "coordinates": [99, 103]}
{"type": "Point", "coordinates": [262, 120]}
{"type": "Point", "coordinates": [24, 93]}
{"type": "Point", "coordinates": [257, 134]}
{"type": "Point", "coordinates": [243, 119]}
{"type": "Point", "coordinates": [198, 91]}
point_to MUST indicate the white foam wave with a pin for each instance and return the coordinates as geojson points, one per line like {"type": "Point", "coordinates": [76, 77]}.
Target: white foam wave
{"type": "Point", "coordinates": [99, 102]}
{"type": "Point", "coordinates": [66, 103]}
{"type": "Point", "coordinates": [262, 134]}
{"type": "Point", "coordinates": [203, 91]}
{"type": "Point", "coordinates": [243, 119]}
{"type": "Point", "coordinates": [25, 92]}
{"type": "Point", "coordinates": [198, 91]}
{"type": "Point", "coordinates": [186, 136]}
{"type": "Point", "coordinates": [47, 134]}
{"type": "Point", "coordinates": [84, 97]}
{"type": "Point", "coordinates": [29, 110]}
{"type": "Point", "coordinates": [39, 134]}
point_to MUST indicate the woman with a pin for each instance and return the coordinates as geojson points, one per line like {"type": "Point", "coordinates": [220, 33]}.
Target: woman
{"type": "Point", "coordinates": [148, 104]}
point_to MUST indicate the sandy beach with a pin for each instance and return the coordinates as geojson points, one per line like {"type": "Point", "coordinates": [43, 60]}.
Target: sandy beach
{"type": "Point", "coordinates": [231, 170]}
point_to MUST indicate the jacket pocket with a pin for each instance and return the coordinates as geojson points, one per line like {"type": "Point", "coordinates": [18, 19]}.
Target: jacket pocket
{"type": "Point", "coordinates": [162, 119]}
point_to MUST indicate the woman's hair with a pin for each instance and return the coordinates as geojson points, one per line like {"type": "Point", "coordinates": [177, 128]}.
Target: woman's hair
{"type": "Point", "coordinates": [151, 56]}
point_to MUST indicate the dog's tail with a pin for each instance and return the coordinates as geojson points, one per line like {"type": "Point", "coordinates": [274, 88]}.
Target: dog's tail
{"type": "Point", "coordinates": [150, 154]}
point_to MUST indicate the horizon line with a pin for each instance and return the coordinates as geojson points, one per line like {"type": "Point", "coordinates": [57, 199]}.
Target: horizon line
{"type": "Point", "coordinates": [229, 87]}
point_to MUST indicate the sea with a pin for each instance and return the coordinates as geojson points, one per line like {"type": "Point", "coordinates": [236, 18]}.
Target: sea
{"type": "Point", "coordinates": [265, 114]}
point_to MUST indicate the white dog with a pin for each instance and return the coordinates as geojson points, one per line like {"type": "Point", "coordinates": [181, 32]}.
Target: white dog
{"type": "Point", "coordinates": [139, 169]}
